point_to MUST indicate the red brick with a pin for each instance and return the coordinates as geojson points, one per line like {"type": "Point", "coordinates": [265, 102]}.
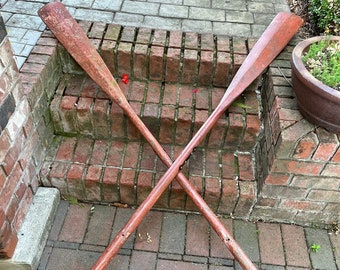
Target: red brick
{"type": "Point", "coordinates": [238, 60]}
{"type": "Point", "coordinates": [218, 249]}
{"type": "Point", "coordinates": [123, 58]}
{"type": "Point", "coordinates": [144, 185]}
{"type": "Point", "coordinates": [177, 196]}
{"type": "Point", "coordinates": [324, 195]}
{"type": "Point", "coordinates": [277, 179]}
{"type": "Point", "coordinates": [183, 125]}
{"type": "Point", "coordinates": [97, 30]}
{"type": "Point", "coordinates": [12, 208]}
{"type": "Point", "coordinates": [115, 154]}
{"type": "Point", "coordinates": [336, 157]}
{"type": "Point", "coordinates": [207, 42]}
{"type": "Point", "coordinates": [173, 65]}
{"type": "Point", "coordinates": [99, 152]}
{"type": "Point", "coordinates": [189, 73]}
{"type": "Point", "coordinates": [47, 41]}
{"type": "Point", "coordinates": [206, 67]}
{"type": "Point", "coordinates": [76, 172]}
{"type": "Point", "coordinates": [229, 196]}
{"type": "Point", "coordinates": [140, 61]}
{"type": "Point", "coordinates": [245, 166]}
{"type": "Point", "coordinates": [106, 53]}
{"type": "Point", "coordinates": [156, 63]}
{"type": "Point", "coordinates": [112, 32]}
{"type": "Point", "coordinates": [68, 113]}
{"type": "Point", "coordinates": [297, 167]}
{"type": "Point", "coordinates": [84, 123]}
{"type": "Point", "coordinates": [332, 169]}
{"type": "Point", "coordinates": [8, 241]}
{"type": "Point", "coordinates": [41, 49]}
{"type": "Point", "coordinates": [100, 112]}
{"type": "Point", "coordinates": [2, 178]}
{"type": "Point", "coordinates": [11, 158]}
{"type": "Point", "coordinates": [75, 224]}
{"type": "Point", "coordinates": [127, 187]}
{"type": "Point", "coordinates": [222, 69]}
{"type": "Point", "coordinates": [191, 40]}
{"type": "Point", "coordinates": [109, 185]}
{"type": "Point", "coordinates": [138, 91]}
{"type": "Point", "coordinates": [117, 122]}
{"type": "Point", "coordinates": [159, 38]}
{"type": "Point", "coordinates": [197, 183]}
{"type": "Point", "coordinates": [185, 96]}
{"type": "Point", "coordinates": [148, 232]}
{"type": "Point", "coordinates": [301, 205]}
{"type": "Point", "coordinates": [66, 149]}
{"type": "Point", "coordinates": [170, 94]}
{"type": "Point", "coordinates": [144, 35]}
{"type": "Point", "coordinates": [131, 155]}
{"type": "Point", "coordinates": [10, 186]}
{"type": "Point", "coordinates": [271, 244]}
{"type": "Point", "coordinates": [92, 183]}
{"type": "Point", "coordinates": [212, 161]}
{"type": "Point", "coordinates": [212, 192]}
{"type": "Point", "coordinates": [167, 124]}
{"type": "Point", "coordinates": [32, 68]}
{"type": "Point", "coordinates": [197, 241]}
{"type": "Point", "coordinates": [148, 158]}
{"type": "Point", "coordinates": [170, 264]}
{"type": "Point", "coordinates": [297, 253]}
{"type": "Point", "coordinates": [175, 40]}
{"type": "Point", "coordinates": [82, 150]}
{"type": "Point", "coordinates": [325, 151]}
{"type": "Point", "coordinates": [228, 165]}
{"type": "Point", "coordinates": [202, 98]}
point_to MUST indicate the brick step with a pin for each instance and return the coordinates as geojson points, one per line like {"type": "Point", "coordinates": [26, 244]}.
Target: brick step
{"type": "Point", "coordinates": [172, 112]}
{"type": "Point", "coordinates": [116, 171]}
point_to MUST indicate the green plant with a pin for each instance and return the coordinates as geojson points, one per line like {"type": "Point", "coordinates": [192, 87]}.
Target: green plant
{"type": "Point", "coordinates": [323, 61]}
{"type": "Point", "coordinates": [325, 16]}
{"type": "Point", "coordinates": [315, 247]}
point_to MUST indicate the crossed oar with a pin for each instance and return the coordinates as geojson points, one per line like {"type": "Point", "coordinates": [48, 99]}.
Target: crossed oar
{"type": "Point", "coordinates": [273, 40]}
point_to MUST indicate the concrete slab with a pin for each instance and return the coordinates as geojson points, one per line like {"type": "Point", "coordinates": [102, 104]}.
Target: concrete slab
{"type": "Point", "coordinates": [34, 231]}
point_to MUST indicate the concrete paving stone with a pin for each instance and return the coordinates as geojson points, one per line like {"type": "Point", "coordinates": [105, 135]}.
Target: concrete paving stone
{"type": "Point", "coordinates": [79, 3]}
{"type": "Point", "coordinates": [240, 17]}
{"type": "Point", "coordinates": [295, 246]}
{"type": "Point", "coordinates": [198, 13]}
{"type": "Point", "coordinates": [217, 267]}
{"type": "Point", "coordinates": [107, 5]}
{"type": "Point", "coordinates": [128, 19]}
{"type": "Point", "coordinates": [17, 47]}
{"type": "Point", "coordinates": [58, 220]}
{"type": "Point", "coordinates": [26, 50]}
{"type": "Point", "coordinates": [173, 2]}
{"type": "Point", "coordinates": [221, 261]}
{"type": "Point", "coordinates": [246, 235]}
{"type": "Point", "coordinates": [281, 8]}
{"type": "Point", "coordinates": [95, 15]}
{"type": "Point", "coordinates": [5, 16]}
{"type": "Point", "coordinates": [19, 61]}
{"type": "Point", "coordinates": [260, 7]}
{"type": "Point", "coordinates": [231, 29]}
{"type": "Point", "coordinates": [197, 26]}
{"type": "Point", "coordinates": [240, 5]}
{"type": "Point", "coordinates": [196, 259]}
{"type": "Point", "coordinates": [75, 224]}
{"type": "Point", "coordinates": [31, 37]}
{"type": "Point", "coordinates": [80, 259]}
{"type": "Point", "coordinates": [271, 267]}
{"type": "Point", "coordinates": [26, 21]}
{"type": "Point", "coordinates": [217, 247]}
{"type": "Point", "coordinates": [100, 225]}
{"type": "Point", "coordinates": [197, 239]}
{"type": "Point", "coordinates": [22, 7]}
{"type": "Point", "coordinates": [162, 23]}
{"type": "Point", "coordinates": [335, 240]}
{"type": "Point", "coordinates": [15, 34]}
{"type": "Point", "coordinates": [168, 256]}
{"type": "Point", "coordinates": [173, 233]}
{"type": "Point", "coordinates": [173, 11]}
{"type": "Point", "coordinates": [175, 265]}
{"type": "Point", "coordinates": [148, 232]}
{"type": "Point", "coordinates": [142, 260]}
{"type": "Point", "coordinates": [323, 258]}
{"type": "Point", "coordinates": [145, 8]}
{"type": "Point", "coordinates": [121, 217]}
{"type": "Point", "coordinates": [270, 243]}
{"type": "Point", "coordinates": [197, 3]}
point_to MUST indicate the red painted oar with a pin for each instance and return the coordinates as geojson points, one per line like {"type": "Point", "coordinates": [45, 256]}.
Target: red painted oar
{"type": "Point", "coordinates": [77, 44]}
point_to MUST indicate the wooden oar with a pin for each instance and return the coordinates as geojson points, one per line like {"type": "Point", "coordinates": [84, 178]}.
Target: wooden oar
{"type": "Point", "coordinates": [77, 44]}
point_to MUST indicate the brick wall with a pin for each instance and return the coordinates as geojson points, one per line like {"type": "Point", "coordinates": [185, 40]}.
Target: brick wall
{"type": "Point", "coordinates": [282, 168]}
{"type": "Point", "coordinates": [303, 182]}
{"type": "Point", "coordinates": [25, 132]}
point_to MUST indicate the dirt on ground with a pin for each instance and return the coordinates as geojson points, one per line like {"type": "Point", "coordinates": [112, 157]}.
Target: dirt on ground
{"type": "Point", "coordinates": [300, 8]}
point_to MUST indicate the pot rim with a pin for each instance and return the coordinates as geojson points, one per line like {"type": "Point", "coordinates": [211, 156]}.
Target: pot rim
{"type": "Point", "coordinates": [297, 59]}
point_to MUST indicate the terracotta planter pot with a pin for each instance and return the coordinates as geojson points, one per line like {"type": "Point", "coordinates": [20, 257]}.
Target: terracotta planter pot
{"type": "Point", "coordinates": [318, 103]}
